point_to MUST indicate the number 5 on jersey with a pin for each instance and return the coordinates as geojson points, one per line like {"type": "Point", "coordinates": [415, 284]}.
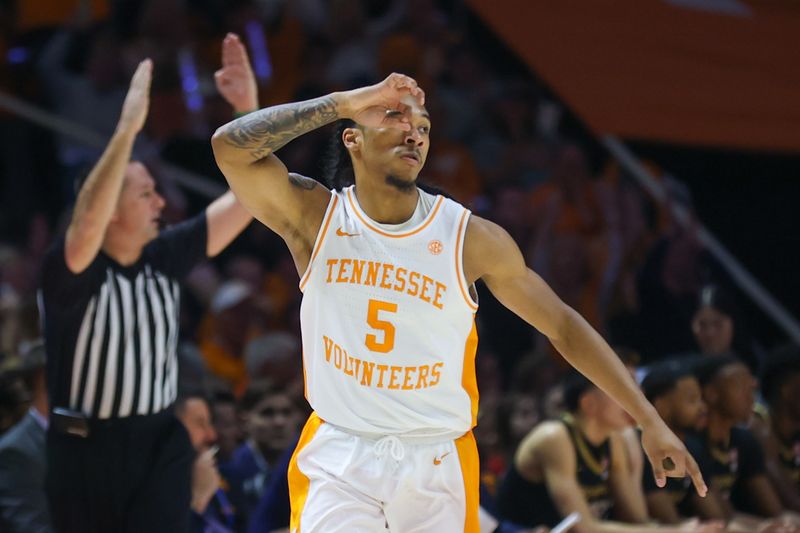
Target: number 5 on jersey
{"type": "Point", "coordinates": [374, 321]}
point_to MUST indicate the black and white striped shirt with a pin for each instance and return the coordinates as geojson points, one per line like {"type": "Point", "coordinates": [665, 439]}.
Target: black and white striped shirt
{"type": "Point", "coordinates": [111, 331]}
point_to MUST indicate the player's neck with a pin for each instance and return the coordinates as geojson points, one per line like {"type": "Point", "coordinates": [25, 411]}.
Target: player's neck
{"type": "Point", "coordinates": [719, 427]}
{"type": "Point", "coordinates": [122, 248]}
{"type": "Point", "coordinates": [386, 203]}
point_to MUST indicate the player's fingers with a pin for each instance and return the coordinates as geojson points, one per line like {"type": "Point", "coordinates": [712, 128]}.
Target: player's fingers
{"type": "Point", "coordinates": [658, 471]}
{"type": "Point", "coordinates": [670, 468]}
{"type": "Point", "coordinates": [403, 82]}
{"type": "Point", "coordinates": [420, 95]}
{"type": "Point", "coordinates": [697, 477]}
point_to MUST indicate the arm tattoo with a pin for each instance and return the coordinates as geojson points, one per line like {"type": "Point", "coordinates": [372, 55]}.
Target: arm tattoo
{"type": "Point", "coordinates": [266, 130]}
{"type": "Point", "coordinates": [302, 182]}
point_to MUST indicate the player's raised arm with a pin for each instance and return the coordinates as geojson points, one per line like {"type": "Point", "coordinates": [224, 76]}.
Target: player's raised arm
{"type": "Point", "coordinates": [492, 255]}
{"type": "Point", "coordinates": [244, 150]}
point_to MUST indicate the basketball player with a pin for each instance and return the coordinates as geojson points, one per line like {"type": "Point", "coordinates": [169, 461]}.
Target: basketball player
{"type": "Point", "coordinates": [387, 271]}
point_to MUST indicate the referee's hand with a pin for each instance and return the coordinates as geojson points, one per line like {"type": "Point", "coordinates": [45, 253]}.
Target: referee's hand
{"type": "Point", "coordinates": [137, 101]}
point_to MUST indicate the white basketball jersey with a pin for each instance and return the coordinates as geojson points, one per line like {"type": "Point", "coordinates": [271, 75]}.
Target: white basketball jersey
{"type": "Point", "coordinates": [388, 323]}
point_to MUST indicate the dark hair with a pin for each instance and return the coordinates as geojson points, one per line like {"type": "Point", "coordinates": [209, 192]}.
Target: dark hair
{"type": "Point", "coordinates": [778, 368]}
{"type": "Point", "coordinates": [190, 393]}
{"type": "Point", "coordinates": [709, 367]}
{"type": "Point", "coordinates": [722, 300]}
{"type": "Point", "coordinates": [221, 396]}
{"type": "Point", "coordinates": [337, 167]}
{"type": "Point", "coordinates": [663, 376]}
{"type": "Point", "coordinates": [258, 390]}
{"type": "Point", "coordinates": [575, 386]}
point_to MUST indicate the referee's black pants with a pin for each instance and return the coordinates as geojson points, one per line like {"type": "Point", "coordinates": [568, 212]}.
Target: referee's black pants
{"type": "Point", "coordinates": [129, 475]}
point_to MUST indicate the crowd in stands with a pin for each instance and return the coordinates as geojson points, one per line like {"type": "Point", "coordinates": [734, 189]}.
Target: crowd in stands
{"type": "Point", "coordinates": [550, 442]}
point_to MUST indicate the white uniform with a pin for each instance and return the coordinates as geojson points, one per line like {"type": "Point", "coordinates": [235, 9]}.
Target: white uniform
{"type": "Point", "coordinates": [389, 341]}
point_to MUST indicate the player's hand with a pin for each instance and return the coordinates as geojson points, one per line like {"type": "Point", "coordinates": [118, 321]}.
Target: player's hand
{"type": "Point", "coordinates": [235, 80]}
{"type": "Point", "coordinates": [137, 101]}
{"type": "Point", "coordinates": [383, 105]}
{"type": "Point", "coordinates": [669, 456]}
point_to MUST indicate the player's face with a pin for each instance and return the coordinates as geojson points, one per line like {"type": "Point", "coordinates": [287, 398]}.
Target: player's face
{"type": "Point", "coordinates": [713, 330]}
{"type": "Point", "coordinates": [689, 411]}
{"type": "Point", "coordinates": [139, 208]}
{"type": "Point", "coordinates": [273, 422]}
{"type": "Point", "coordinates": [735, 392]}
{"type": "Point", "coordinates": [396, 154]}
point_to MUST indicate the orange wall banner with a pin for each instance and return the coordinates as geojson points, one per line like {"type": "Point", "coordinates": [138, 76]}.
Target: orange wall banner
{"type": "Point", "coordinates": [709, 72]}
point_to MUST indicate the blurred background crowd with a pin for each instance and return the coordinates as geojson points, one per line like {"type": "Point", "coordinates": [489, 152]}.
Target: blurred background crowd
{"type": "Point", "coordinates": [502, 144]}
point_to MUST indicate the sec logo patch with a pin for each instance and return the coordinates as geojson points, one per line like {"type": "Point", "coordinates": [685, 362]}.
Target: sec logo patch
{"type": "Point", "coordinates": [435, 247]}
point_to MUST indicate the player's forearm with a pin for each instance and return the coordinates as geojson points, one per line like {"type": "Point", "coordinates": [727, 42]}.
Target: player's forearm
{"type": "Point", "coordinates": [258, 134]}
{"type": "Point", "coordinates": [586, 350]}
{"type": "Point", "coordinates": [97, 200]}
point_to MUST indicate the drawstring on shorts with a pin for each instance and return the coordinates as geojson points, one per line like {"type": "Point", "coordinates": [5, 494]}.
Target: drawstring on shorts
{"type": "Point", "coordinates": [390, 444]}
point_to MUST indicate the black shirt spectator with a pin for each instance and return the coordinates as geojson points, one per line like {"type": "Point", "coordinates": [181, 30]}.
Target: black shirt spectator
{"type": "Point", "coordinates": [530, 504]}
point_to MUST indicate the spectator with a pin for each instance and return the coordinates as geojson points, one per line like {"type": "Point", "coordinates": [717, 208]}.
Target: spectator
{"type": "Point", "coordinates": [578, 463]}
{"type": "Point", "coordinates": [23, 502]}
{"type": "Point", "coordinates": [211, 511]}
{"type": "Point", "coordinates": [272, 424]}
{"type": "Point", "coordinates": [779, 429]}
{"type": "Point", "coordinates": [718, 327]}
{"type": "Point", "coordinates": [225, 416]}
{"type": "Point", "coordinates": [675, 393]}
{"type": "Point", "coordinates": [735, 459]}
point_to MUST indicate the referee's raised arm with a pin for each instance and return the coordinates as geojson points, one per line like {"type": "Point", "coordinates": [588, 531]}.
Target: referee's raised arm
{"type": "Point", "coordinates": [98, 196]}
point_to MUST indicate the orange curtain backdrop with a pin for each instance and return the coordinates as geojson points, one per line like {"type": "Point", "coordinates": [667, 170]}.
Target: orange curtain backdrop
{"type": "Point", "coordinates": [657, 70]}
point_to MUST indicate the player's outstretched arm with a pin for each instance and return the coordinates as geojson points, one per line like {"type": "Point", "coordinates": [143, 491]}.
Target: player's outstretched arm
{"type": "Point", "coordinates": [492, 255]}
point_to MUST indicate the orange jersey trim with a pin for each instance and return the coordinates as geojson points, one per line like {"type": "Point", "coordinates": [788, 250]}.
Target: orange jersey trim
{"type": "Point", "coordinates": [459, 264]}
{"type": "Point", "coordinates": [431, 216]}
{"type": "Point", "coordinates": [299, 482]}
{"type": "Point", "coordinates": [469, 378]}
{"type": "Point", "coordinates": [470, 471]}
{"type": "Point", "coordinates": [318, 245]}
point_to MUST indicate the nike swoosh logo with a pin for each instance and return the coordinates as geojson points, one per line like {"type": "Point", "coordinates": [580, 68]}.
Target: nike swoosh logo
{"type": "Point", "coordinates": [341, 233]}
{"type": "Point", "coordinates": [438, 460]}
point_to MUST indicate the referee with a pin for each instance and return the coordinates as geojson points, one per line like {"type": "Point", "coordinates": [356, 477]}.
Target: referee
{"type": "Point", "coordinates": [118, 458]}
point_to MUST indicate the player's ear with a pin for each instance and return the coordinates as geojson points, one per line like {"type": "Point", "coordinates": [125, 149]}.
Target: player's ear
{"type": "Point", "coordinates": [352, 138]}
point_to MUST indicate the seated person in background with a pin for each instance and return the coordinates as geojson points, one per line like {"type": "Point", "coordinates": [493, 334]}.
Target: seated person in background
{"type": "Point", "coordinates": [23, 502]}
{"type": "Point", "coordinates": [211, 510]}
{"type": "Point", "coordinates": [734, 458]}
{"type": "Point", "coordinates": [578, 463]}
{"type": "Point", "coordinates": [225, 416]}
{"type": "Point", "coordinates": [778, 429]}
{"type": "Point", "coordinates": [674, 391]}
{"type": "Point", "coordinates": [272, 423]}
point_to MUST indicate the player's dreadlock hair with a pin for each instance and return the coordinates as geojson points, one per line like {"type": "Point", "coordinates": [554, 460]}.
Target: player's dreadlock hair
{"type": "Point", "coordinates": [337, 167]}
